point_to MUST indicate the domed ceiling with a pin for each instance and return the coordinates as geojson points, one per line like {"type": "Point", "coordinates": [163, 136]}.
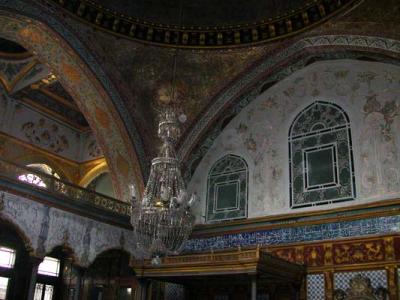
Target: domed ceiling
{"type": "Point", "coordinates": [205, 12]}
{"type": "Point", "coordinates": [206, 23]}
{"type": "Point", "coordinates": [135, 40]}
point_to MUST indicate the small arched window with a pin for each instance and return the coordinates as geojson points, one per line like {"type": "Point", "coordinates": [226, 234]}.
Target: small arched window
{"type": "Point", "coordinates": [36, 179]}
{"type": "Point", "coordinates": [321, 157]}
{"type": "Point", "coordinates": [227, 189]}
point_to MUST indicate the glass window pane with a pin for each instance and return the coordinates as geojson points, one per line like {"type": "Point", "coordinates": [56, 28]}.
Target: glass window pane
{"type": "Point", "coordinates": [32, 179]}
{"type": "Point", "coordinates": [320, 167]}
{"type": "Point", "coordinates": [7, 257]}
{"type": "Point", "coordinates": [50, 266]}
{"type": "Point", "coordinates": [48, 293]}
{"type": "Point", "coordinates": [3, 287]}
{"type": "Point", "coordinates": [38, 291]}
{"type": "Point", "coordinates": [227, 194]}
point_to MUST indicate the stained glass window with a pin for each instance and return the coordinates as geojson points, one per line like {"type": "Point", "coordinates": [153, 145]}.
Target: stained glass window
{"type": "Point", "coordinates": [320, 156]}
{"type": "Point", "coordinates": [227, 189]}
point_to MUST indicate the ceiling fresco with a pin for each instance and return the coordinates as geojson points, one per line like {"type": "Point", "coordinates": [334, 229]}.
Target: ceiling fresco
{"type": "Point", "coordinates": [52, 99]}
{"type": "Point", "coordinates": [142, 73]}
{"type": "Point", "coordinates": [203, 13]}
{"type": "Point", "coordinates": [148, 71]}
{"type": "Point", "coordinates": [26, 79]}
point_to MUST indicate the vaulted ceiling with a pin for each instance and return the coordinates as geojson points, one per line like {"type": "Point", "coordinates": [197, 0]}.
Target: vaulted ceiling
{"type": "Point", "coordinates": [135, 42]}
{"type": "Point", "coordinates": [32, 82]}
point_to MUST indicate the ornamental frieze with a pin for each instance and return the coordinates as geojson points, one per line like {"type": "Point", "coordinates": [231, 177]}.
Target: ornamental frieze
{"type": "Point", "coordinates": [313, 13]}
{"type": "Point", "coordinates": [342, 253]}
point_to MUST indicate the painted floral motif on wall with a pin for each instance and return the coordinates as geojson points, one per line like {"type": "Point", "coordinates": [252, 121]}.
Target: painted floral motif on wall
{"type": "Point", "coordinates": [367, 91]}
{"type": "Point", "coordinates": [94, 149]}
{"type": "Point", "coordinates": [389, 110]}
{"type": "Point", "coordinates": [44, 134]}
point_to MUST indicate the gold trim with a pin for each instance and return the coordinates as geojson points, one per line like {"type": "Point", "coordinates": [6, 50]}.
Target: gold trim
{"type": "Point", "coordinates": [100, 168]}
{"type": "Point", "coordinates": [16, 56]}
{"type": "Point", "coordinates": [60, 99]}
{"type": "Point", "coordinates": [10, 85]}
{"type": "Point", "coordinates": [253, 261]}
{"type": "Point", "coordinates": [44, 152]}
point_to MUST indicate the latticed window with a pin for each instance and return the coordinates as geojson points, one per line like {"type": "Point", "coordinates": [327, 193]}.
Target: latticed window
{"type": "Point", "coordinates": [321, 158]}
{"type": "Point", "coordinates": [227, 189]}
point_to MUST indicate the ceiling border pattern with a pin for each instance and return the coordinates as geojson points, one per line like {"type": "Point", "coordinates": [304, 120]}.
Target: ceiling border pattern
{"type": "Point", "coordinates": [245, 90]}
{"type": "Point", "coordinates": [313, 13]}
{"type": "Point", "coordinates": [46, 16]}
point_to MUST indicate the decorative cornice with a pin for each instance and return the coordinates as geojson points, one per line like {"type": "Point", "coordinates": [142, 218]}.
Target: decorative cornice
{"type": "Point", "coordinates": [313, 13]}
{"type": "Point", "coordinates": [247, 88]}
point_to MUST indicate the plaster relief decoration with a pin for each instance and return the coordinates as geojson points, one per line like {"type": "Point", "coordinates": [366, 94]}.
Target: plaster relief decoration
{"type": "Point", "coordinates": [46, 135]}
{"type": "Point", "coordinates": [227, 189]}
{"type": "Point", "coordinates": [379, 152]}
{"type": "Point", "coordinates": [321, 159]}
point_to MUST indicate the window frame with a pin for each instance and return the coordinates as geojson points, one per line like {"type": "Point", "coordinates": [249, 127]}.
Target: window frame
{"type": "Point", "coordinates": [240, 176]}
{"type": "Point", "coordinates": [316, 129]}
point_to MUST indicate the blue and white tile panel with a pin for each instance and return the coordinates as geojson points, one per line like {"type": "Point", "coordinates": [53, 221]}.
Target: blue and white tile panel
{"type": "Point", "coordinates": [335, 230]}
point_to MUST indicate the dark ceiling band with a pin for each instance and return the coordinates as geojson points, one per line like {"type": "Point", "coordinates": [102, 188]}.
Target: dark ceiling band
{"type": "Point", "coordinates": [204, 37]}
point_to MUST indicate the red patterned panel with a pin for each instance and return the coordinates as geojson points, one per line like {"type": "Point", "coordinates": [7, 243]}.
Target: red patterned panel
{"type": "Point", "coordinates": [314, 255]}
{"type": "Point", "coordinates": [361, 252]}
{"type": "Point", "coordinates": [288, 254]}
{"type": "Point", "coordinates": [396, 244]}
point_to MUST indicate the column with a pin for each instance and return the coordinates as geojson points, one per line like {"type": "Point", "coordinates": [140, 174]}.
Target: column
{"type": "Point", "coordinates": [254, 288]}
{"type": "Point", "coordinates": [78, 285]}
{"type": "Point", "coordinates": [141, 293]}
{"type": "Point", "coordinates": [328, 285]}
{"type": "Point", "coordinates": [35, 262]}
{"type": "Point", "coordinates": [392, 282]}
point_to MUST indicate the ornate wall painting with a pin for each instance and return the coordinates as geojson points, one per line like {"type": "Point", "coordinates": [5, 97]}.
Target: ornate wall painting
{"type": "Point", "coordinates": [94, 88]}
{"type": "Point", "coordinates": [45, 135]}
{"type": "Point", "coordinates": [263, 126]}
{"type": "Point", "coordinates": [380, 151]}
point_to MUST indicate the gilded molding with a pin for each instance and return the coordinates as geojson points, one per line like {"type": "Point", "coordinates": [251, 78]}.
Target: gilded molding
{"type": "Point", "coordinates": [359, 253]}
{"type": "Point", "coordinates": [314, 13]}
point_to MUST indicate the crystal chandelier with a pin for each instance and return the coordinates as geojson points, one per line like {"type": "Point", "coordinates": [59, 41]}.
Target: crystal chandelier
{"type": "Point", "coordinates": [162, 221]}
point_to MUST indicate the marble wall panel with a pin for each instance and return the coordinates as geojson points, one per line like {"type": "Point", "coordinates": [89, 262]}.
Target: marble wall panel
{"type": "Point", "coordinates": [47, 227]}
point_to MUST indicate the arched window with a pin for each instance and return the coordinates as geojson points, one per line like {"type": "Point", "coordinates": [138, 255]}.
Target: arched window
{"type": "Point", "coordinates": [321, 158]}
{"type": "Point", "coordinates": [227, 189]}
{"type": "Point", "coordinates": [35, 179]}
